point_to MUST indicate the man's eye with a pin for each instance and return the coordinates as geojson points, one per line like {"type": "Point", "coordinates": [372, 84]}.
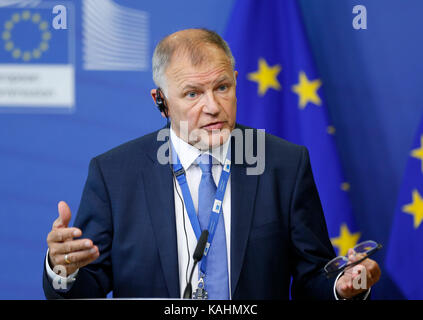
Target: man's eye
{"type": "Point", "coordinates": [222, 87]}
{"type": "Point", "coordinates": [191, 94]}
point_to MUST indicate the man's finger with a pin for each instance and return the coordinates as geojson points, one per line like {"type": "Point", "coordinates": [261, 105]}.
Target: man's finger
{"type": "Point", "coordinates": [76, 258]}
{"type": "Point", "coordinates": [71, 246]}
{"type": "Point", "coordinates": [57, 223]}
{"type": "Point", "coordinates": [73, 266]}
{"type": "Point", "coordinates": [64, 215]}
{"type": "Point", "coordinates": [60, 235]}
{"type": "Point", "coordinates": [373, 270]}
{"type": "Point", "coordinates": [353, 257]}
{"type": "Point", "coordinates": [87, 261]}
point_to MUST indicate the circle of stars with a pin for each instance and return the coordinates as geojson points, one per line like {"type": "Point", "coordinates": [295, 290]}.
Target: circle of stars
{"type": "Point", "coordinates": [18, 53]}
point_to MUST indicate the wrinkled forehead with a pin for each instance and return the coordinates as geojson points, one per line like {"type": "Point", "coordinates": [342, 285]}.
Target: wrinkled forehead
{"type": "Point", "coordinates": [206, 62]}
{"type": "Point", "coordinates": [197, 55]}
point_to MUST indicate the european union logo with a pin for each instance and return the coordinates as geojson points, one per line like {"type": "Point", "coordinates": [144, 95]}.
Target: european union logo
{"type": "Point", "coordinates": [279, 90]}
{"type": "Point", "coordinates": [36, 60]}
{"type": "Point", "coordinates": [404, 258]}
{"type": "Point", "coordinates": [28, 37]}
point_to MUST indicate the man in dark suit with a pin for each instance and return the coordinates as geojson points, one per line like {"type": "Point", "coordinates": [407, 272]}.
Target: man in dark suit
{"type": "Point", "coordinates": [135, 214]}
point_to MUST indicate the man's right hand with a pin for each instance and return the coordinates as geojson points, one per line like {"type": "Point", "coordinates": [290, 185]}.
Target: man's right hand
{"type": "Point", "coordinates": [63, 249]}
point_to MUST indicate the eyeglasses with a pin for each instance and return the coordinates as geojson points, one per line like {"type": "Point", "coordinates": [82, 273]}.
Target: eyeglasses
{"type": "Point", "coordinates": [340, 263]}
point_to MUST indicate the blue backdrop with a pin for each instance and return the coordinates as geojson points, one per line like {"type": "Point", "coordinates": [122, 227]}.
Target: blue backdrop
{"type": "Point", "coordinates": [371, 84]}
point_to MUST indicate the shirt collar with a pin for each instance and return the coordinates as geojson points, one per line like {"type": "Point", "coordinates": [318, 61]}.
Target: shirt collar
{"type": "Point", "coordinates": [188, 154]}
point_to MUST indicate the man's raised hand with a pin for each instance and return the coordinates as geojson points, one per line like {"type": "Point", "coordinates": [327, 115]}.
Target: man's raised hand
{"type": "Point", "coordinates": [63, 249]}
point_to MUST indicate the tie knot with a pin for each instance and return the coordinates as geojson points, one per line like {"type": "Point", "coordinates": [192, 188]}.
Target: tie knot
{"type": "Point", "coordinates": [205, 161]}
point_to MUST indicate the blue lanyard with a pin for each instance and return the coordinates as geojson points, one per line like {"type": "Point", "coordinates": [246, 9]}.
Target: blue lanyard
{"type": "Point", "coordinates": [217, 204]}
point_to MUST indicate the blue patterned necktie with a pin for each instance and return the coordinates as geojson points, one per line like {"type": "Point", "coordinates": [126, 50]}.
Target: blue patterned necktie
{"type": "Point", "coordinates": [216, 279]}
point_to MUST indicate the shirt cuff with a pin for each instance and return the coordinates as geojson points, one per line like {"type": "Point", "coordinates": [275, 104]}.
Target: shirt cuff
{"type": "Point", "coordinates": [62, 284]}
{"type": "Point", "coordinates": [336, 295]}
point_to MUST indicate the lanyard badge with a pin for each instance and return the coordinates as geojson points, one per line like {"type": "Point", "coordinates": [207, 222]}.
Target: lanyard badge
{"type": "Point", "coordinates": [200, 293]}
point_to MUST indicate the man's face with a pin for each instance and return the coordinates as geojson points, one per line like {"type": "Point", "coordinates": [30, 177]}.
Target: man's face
{"type": "Point", "coordinates": [202, 98]}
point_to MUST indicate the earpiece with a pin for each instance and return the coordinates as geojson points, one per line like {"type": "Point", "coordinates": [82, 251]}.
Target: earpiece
{"type": "Point", "coordinates": [161, 105]}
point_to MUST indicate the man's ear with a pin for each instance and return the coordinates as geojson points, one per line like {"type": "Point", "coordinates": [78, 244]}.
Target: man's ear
{"type": "Point", "coordinates": [153, 93]}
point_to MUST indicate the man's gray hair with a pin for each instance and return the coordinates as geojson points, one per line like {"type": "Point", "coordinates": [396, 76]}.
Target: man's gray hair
{"type": "Point", "coordinates": [193, 45]}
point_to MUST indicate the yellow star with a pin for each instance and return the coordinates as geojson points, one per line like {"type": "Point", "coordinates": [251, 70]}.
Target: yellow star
{"type": "Point", "coordinates": [418, 153]}
{"type": "Point", "coordinates": [415, 208]}
{"type": "Point", "coordinates": [345, 186]}
{"type": "Point", "coordinates": [266, 77]}
{"type": "Point", "coordinates": [346, 240]}
{"type": "Point", "coordinates": [331, 130]}
{"type": "Point", "coordinates": [307, 90]}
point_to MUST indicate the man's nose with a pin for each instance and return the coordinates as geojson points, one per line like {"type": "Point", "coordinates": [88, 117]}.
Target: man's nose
{"type": "Point", "coordinates": [211, 105]}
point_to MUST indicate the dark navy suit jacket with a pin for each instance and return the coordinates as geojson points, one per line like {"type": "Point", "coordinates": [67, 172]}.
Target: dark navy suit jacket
{"type": "Point", "coordinates": [277, 227]}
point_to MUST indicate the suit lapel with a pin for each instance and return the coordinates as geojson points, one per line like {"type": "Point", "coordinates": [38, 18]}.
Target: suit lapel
{"type": "Point", "coordinates": [160, 199]}
{"type": "Point", "coordinates": [243, 195]}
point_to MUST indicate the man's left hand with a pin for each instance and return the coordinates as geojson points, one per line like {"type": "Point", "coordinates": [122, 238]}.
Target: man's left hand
{"type": "Point", "coordinates": [351, 282]}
